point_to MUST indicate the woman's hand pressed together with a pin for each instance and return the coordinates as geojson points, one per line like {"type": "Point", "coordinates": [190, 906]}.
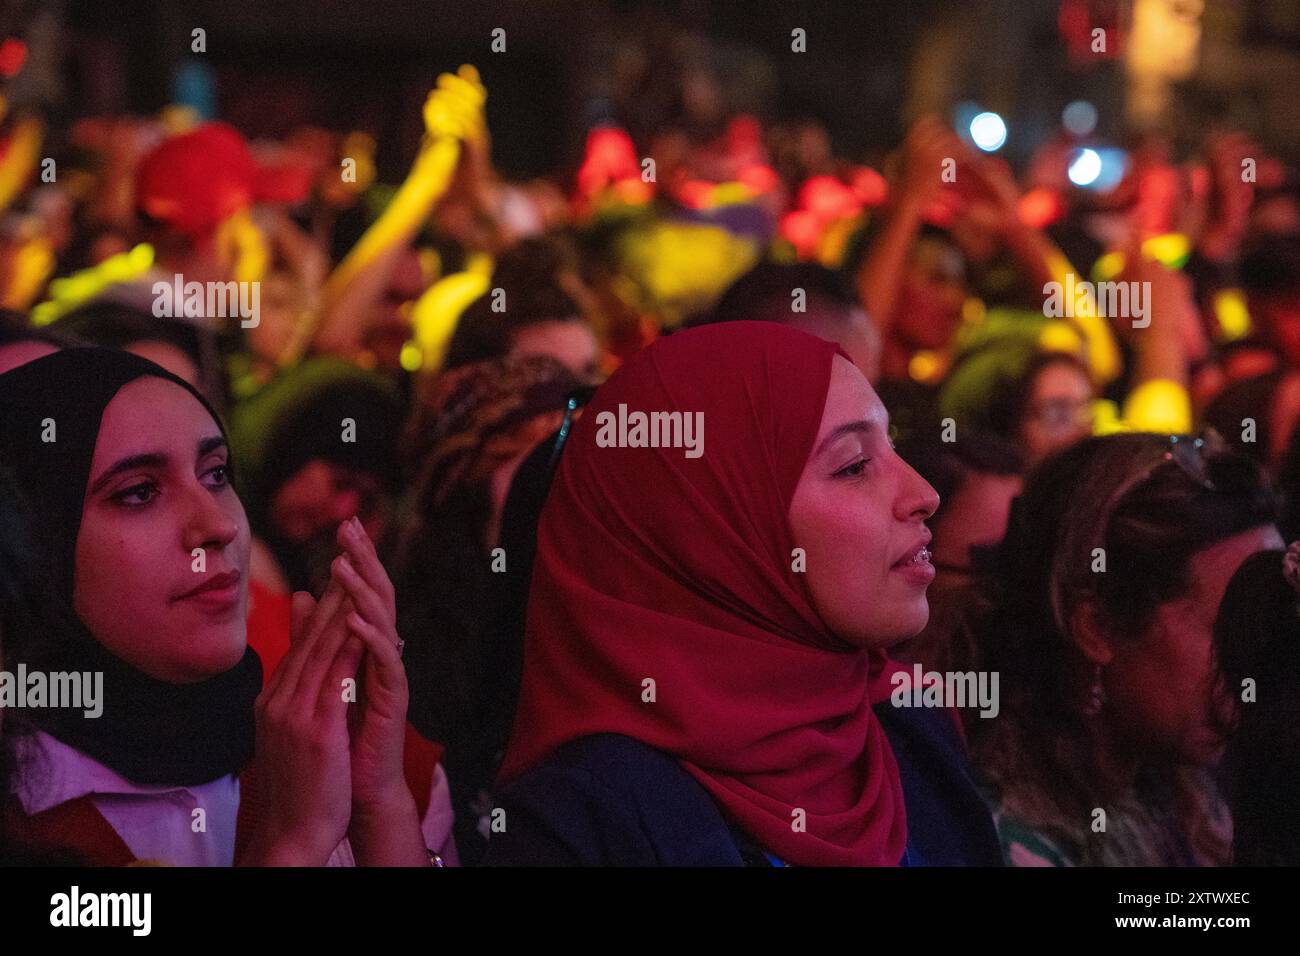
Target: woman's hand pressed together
{"type": "Point", "coordinates": [302, 738]}
{"type": "Point", "coordinates": [385, 826]}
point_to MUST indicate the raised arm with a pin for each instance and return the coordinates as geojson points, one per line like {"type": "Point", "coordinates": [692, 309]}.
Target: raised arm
{"type": "Point", "coordinates": [453, 115]}
{"type": "Point", "coordinates": [880, 277]}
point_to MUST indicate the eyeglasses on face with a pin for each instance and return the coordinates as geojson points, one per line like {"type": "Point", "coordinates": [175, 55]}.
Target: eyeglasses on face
{"type": "Point", "coordinates": [1063, 413]}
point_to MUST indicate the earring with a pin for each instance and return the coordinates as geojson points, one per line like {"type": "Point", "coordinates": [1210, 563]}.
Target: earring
{"type": "Point", "coordinates": [1096, 695]}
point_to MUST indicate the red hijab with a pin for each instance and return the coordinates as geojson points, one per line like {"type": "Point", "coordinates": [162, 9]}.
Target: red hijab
{"type": "Point", "coordinates": [654, 565]}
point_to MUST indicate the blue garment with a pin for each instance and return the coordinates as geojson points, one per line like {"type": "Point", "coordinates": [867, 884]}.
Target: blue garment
{"type": "Point", "coordinates": [948, 822]}
{"type": "Point", "coordinates": [610, 800]}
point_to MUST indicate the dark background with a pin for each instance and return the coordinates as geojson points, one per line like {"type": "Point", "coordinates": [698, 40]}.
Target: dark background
{"type": "Point", "coordinates": [870, 66]}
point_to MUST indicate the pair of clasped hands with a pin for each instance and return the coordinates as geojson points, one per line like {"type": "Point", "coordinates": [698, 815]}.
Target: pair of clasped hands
{"type": "Point", "coordinates": [329, 752]}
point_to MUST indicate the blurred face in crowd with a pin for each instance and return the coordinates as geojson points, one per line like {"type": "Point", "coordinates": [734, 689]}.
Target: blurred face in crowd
{"type": "Point", "coordinates": [321, 495]}
{"type": "Point", "coordinates": [569, 342]}
{"type": "Point", "coordinates": [282, 302]}
{"type": "Point", "coordinates": [1059, 411]}
{"type": "Point", "coordinates": [850, 329]}
{"type": "Point", "coordinates": [974, 516]}
{"type": "Point", "coordinates": [934, 288]}
{"type": "Point", "coordinates": [391, 328]}
{"type": "Point", "coordinates": [159, 489]}
{"type": "Point", "coordinates": [1159, 688]}
{"type": "Point", "coordinates": [859, 513]}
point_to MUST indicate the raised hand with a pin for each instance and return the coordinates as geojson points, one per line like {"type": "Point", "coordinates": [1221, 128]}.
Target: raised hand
{"type": "Point", "coordinates": [303, 760]}
{"type": "Point", "coordinates": [385, 827]}
{"type": "Point", "coordinates": [1231, 194]}
{"type": "Point", "coordinates": [377, 723]}
{"type": "Point", "coordinates": [453, 118]}
{"type": "Point", "coordinates": [454, 109]}
{"type": "Point", "coordinates": [929, 142]}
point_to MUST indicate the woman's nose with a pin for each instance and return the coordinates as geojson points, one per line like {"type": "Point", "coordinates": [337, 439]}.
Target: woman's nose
{"type": "Point", "coordinates": [209, 522]}
{"type": "Point", "coordinates": [918, 500]}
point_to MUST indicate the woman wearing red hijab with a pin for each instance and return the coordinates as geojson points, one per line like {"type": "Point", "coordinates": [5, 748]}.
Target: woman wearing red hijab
{"type": "Point", "coordinates": [705, 672]}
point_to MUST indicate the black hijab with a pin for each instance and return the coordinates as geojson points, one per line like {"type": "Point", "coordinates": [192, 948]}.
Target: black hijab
{"type": "Point", "coordinates": [150, 731]}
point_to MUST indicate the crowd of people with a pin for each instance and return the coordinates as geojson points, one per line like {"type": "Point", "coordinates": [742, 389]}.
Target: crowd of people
{"type": "Point", "coordinates": [316, 476]}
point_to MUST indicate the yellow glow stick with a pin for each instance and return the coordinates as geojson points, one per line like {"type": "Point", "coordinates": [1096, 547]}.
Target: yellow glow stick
{"type": "Point", "coordinates": [1233, 315]}
{"type": "Point", "coordinates": [437, 311]}
{"type": "Point", "coordinates": [452, 113]}
{"type": "Point", "coordinates": [1160, 405]}
{"type": "Point", "coordinates": [68, 293]}
{"type": "Point", "coordinates": [19, 162]}
{"type": "Point", "coordinates": [240, 244]}
{"type": "Point", "coordinates": [32, 265]}
{"type": "Point", "coordinates": [1103, 355]}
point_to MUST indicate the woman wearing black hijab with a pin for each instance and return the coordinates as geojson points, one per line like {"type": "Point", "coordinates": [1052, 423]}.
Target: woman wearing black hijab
{"type": "Point", "coordinates": [20, 623]}
{"type": "Point", "coordinates": [144, 544]}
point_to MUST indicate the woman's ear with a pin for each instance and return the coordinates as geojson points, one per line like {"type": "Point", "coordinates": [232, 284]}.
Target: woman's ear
{"type": "Point", "coordinates": [1088, 634]}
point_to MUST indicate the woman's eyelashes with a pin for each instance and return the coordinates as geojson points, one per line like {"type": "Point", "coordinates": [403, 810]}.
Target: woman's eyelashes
{"type": "Point", "coordinates": [141, 493]}
{"type": "Point", "coordinates": [855, 469]}
{"type": "Point", "coordinates": [136, 495]}
{"type": "Point", "coordinates": [863, 455]}
{"type": "Point", "coordinates": [219, 476]}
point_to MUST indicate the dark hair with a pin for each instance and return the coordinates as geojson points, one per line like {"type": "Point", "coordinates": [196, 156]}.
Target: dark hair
{"type": "Point", "coordinates": [14, 329]}
{"type": "Point", "coordinates": [1288, 484]}
{"type": "Point", "coordinates": [764, 293]}
{"type": "Point", "coordinates": [20, 572]}
{"type": "Point", "coordinates": [1122, 493]}
{"type": "Point", "coordinates": [15, 618]}
{"type": "Point", "coordinates": [281, 428]}
{"type": "Point", "coordinates": [1257, 636]}
{"type": "Point", "coordinates": [114, 326]}
{"type": "Point", "coordinates": [530, 276]}
{"type": "Point", "coordinates": [442, 583]}
{"type": "Point", "coordinates": [468, 423]}
{"type": "Point", "coordinates": [1271, 266]}
{"type": "Point", "coordinates": [117, 326]}
{"type": "Point", "coordinates": [1246, 398]}
{"type": "Point", "coordinates": [18, 615]}
{"type": "Point", "coordinates": [948, 465]}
